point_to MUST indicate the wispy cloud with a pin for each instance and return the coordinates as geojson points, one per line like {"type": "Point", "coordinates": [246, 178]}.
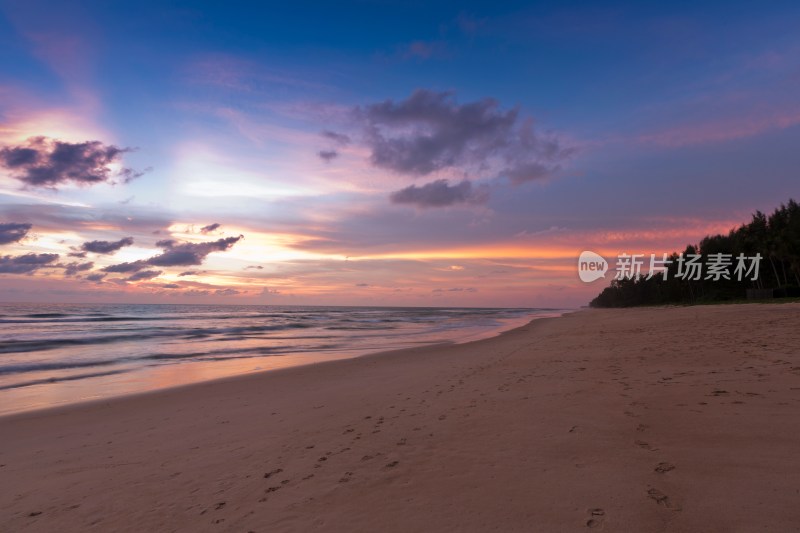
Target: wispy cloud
{"type": "Point", "coordinates": [422, 50]}
{"type": "Point", "coordinates": [210, 228]}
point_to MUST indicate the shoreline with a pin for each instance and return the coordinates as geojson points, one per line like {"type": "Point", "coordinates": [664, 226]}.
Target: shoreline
{"type": "Point", "coordinates": [57, 409]}
{"type": "Point", "coordinates": [659, 419]}
{"type": "Point", "coordinates": [344, 356]}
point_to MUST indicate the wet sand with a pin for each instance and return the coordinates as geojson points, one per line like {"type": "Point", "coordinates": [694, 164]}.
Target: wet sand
{"type": "Point", "coordinates": [671, 419]}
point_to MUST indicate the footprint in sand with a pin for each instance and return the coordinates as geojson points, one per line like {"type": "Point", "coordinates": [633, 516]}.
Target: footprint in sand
{"type": "Point", "coordinates": [662, 499]}
{"type": "Point", "coordinates": [596, 518]}
{"type": "Point", "coordinates": [645, 445]}
{"type": "Point", "coordinates": [268, 475]}
{"type": "Point", "coordinates": [663, 468]}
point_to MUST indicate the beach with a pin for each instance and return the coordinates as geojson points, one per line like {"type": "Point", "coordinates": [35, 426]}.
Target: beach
{"type": "Point", "coordinates": [647, 419]}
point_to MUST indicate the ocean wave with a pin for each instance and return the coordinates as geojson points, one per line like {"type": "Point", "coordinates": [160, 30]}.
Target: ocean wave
{"type": "Point", "coordinates": [23, 346]}
{"type": "Point", "coordinates": [59, 379]}
{"type": "Point", "coordinates": [229, 353]}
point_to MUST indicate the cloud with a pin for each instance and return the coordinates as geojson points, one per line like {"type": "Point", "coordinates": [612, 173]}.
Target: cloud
{"type": "Point", "coordinates": [81, 218]}
{"type": "Point", "coordinates": [266, 291]}
{"type": "Point", "coordinates": [177, 254]}
{"type": "Point", "coordinates": [328, 155]}
{"type": "Point", "coordinates": [144, 275]}
{"type": "Point", "coordinates": [97, 277]}
{"type": "Point", "coordinates": [190, 273]}
{"type": "Point", "coordinates": [45, 162]}
{"type": "Point", "coordinates": [25, 264]}
{"type": "Point", "coordinates": [440, 193]}
{"type": "Point", "coordinates": [106, 247]}
{"type": "Point", "coordinates": [188, 253]}
{"type": "Point", "coordinates": [13, 232]}
{"type": "Point", "coordinates": [429, 132]}
{"type": "Point", "coordinates": [227, 292]}
{"type": "Point", "coordinates": [423, 50]}
{"type": "Point", "coordinates": [210, 228]}
{"type": "Point", "coordinates": [123, 268]}
{"type": "Point", "coordinates": [338, 138]}
{"type": "Point", "coordinates": [457, 289]}
{"type": "Point", "coordinates": [73, 268]}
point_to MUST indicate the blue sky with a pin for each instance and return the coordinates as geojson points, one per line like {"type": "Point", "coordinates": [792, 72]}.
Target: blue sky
{"type": "Point", "coordinates": [473, 149]}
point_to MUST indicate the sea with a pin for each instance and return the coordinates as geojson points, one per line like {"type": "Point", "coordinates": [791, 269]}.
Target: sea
{"type": "Point", "coordinates": [58, 354]}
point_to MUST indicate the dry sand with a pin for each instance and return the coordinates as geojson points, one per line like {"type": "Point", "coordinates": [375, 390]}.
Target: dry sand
{"type": "Point", "coordinates": [676, 419]}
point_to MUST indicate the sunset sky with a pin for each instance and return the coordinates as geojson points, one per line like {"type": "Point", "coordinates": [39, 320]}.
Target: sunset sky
{"type": "Point", "coordinates": [380, 152]}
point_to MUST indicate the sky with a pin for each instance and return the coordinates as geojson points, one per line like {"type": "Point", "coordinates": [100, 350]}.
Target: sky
{"type": "Point", "coordinates": [401, 153]}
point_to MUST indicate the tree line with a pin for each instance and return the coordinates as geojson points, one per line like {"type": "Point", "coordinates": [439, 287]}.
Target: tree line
{"type": "Point", "coordinates": [774, 238]}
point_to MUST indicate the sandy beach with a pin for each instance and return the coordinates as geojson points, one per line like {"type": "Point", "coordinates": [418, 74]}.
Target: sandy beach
{"type": "Point", "coordinates": [658, 419]}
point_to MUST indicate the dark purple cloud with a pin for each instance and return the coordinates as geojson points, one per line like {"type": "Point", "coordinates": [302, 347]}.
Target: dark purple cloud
{"type": "Point", "coordinates": [71, 269]}
{"type": "Point", "coordinates": [144, 275]}
{"type": "Point", "coordinates": [45, 162]}
{"type": "Point", "coordinates": [13, 232]}
{"type": "Point", "coordinates": [429, 131]}
{"type": "Point", "coordinates": [190, 273]}
{"type": "Point", "coordinates": [190, 253]}
{"type": "Point", "coordinates": [123, 268]}
{"type": "Point", "coordinates": [328, 155]}
{"type": "Point", "coordinates": [25, 264]}
{"type": "Point", "coordinates": [210, 228]}
{"type": "Point", "coordinates": [440, 193]}
{"type": "Point", "coordinates": [177, 254]}
{"type": "Point", "coordinates": [527, 172]}
{"type": "Point", "coordinates": [338, 138]}
{"type": "Point", "coordinates": [97, 277]}
{"type": "Point", "coordinates": [106, 247]}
